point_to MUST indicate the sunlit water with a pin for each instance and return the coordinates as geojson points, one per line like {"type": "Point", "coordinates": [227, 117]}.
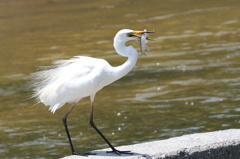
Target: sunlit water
{"type": "Point", "coordinates": [189, 82]}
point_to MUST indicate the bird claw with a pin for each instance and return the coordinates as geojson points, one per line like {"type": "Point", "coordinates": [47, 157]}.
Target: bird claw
{"type": "Point", "coordinates": [83, 154]}
{"type": "Point", "coordinates": [120, 152]}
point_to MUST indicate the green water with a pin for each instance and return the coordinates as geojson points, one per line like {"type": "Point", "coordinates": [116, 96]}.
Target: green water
{"type": "Point", "coordinates": [188, 83]}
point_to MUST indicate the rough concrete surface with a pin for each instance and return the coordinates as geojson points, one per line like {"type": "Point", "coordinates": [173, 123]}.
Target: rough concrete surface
{"type": "Point", "coordinates": [223, 144]}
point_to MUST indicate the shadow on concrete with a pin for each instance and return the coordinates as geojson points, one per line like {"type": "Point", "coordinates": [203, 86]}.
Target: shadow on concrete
{"type": "Point", "coordinates": [104, 153]}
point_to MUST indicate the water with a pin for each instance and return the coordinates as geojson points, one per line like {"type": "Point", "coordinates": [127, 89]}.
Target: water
{"type": "Point", "coordinates": [188, 83]}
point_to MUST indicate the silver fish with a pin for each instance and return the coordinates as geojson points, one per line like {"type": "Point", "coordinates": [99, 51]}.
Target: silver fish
{"type": "Point", "coordinates": [143, 41]}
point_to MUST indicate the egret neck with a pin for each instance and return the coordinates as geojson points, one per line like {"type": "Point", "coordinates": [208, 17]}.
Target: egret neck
{"type": "Point", "coordinates": [126, 51]}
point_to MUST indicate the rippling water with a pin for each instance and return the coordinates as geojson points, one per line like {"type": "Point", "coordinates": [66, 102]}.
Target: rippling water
{"type": "Point", "coordinates": [189, 82]}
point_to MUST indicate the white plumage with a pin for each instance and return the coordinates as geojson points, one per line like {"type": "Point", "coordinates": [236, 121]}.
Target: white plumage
{"type": "Point", "coordinates": [67, 81]}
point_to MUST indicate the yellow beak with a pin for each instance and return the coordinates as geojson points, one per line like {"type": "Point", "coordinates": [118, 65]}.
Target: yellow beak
{"type": "Point", "coordinates": [139, 33]}
{"type": "Point", "coordinates": [142, 32]}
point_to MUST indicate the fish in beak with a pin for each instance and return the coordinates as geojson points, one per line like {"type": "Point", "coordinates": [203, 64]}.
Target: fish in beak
{"type": "Point", "coordinates": [138, 34]}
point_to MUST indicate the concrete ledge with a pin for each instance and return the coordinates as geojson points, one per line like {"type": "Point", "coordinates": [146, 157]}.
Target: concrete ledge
{"type": "Point", "coordinates": [223, 144]}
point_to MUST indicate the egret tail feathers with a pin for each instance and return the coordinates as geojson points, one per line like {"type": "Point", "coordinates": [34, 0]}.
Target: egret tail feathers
{"type": "Point", "coordinates": [54, 107]}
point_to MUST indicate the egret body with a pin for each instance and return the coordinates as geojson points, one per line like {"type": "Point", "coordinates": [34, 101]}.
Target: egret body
{"type": "Point", "coordinates": [68, 81]}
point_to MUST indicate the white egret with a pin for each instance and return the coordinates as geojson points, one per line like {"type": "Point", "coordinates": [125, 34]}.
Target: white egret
{"type": "Point", "coordinates": [68, 81]}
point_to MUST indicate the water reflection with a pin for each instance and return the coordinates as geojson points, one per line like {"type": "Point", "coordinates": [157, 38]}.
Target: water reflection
{"type": "Point", "coordinates": [188, 82]}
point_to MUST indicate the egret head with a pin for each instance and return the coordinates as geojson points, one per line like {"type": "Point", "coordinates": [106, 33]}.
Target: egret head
{"type": "Point", "coordinates": [125, 35]}
{"type": "Point", "coordinates": [128, 34]}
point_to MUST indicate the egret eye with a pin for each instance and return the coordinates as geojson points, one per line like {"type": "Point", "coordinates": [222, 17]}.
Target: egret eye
{"type": "Point", "coordinates": [130, 34]}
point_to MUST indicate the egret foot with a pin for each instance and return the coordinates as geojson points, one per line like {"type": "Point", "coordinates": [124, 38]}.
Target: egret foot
{"type": "Point", "coordinates": [119, 152]}
{"type": "Point", "coordinates": [83, 154]}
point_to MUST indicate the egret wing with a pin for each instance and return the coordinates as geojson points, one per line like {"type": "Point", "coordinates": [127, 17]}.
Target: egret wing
{"type": "Point", "coordinates": [68, 81]}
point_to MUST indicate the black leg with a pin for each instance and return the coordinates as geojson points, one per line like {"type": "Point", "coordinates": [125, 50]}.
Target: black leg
{"type": "Point", "coordinates": [99, 132]}
{"type": "Point", "coordinates": [64, 119]}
